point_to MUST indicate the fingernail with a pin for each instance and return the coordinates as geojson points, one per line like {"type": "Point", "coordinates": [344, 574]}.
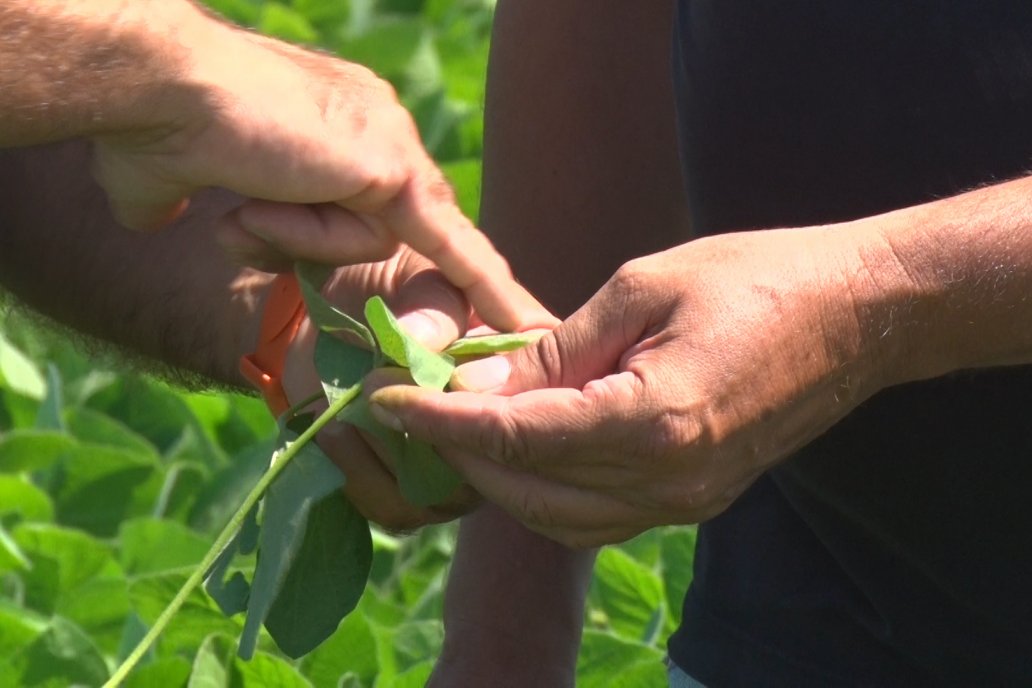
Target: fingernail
{"type": "Point", "coordinates": [386, 417]}
{"type": "Point", "coordinates": [485, 375]}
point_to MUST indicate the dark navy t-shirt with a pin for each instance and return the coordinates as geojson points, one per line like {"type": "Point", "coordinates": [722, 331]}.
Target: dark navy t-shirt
{"type": "Point", "coordinates": [895, 550]}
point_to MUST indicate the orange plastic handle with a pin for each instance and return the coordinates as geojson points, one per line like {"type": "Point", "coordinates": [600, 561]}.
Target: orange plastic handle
{"type": "Point", "coordinates": [284, 311]}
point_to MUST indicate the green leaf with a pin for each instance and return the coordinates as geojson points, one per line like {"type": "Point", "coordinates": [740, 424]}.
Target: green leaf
{"type": "Point", "coordinates": [212, 666]}
{"type": "Point", "coordinates": [428, 369]}
{"type": "Point", "coordinates": [49, 416]}
{"type": "Point", "coordinates": [21, 498]}
{"type": "Point", "coordinates": [241, 11]}
{"type": "Point", "coordinates": [325, 15]}
{"type": "Point", "coordinates": [492, 344]}
{"type": "Point", "coordinates": [63, 655]}
{"type": "Point", "coordinates": [18, 373]}
{"type": "Point", "coordinates": [400, 49]}
{"type": "Point", "coordinates": [267, 670]}
{"type": "Point", "coordinates": [231, 595]}
{"type": "Point", "coordinates": [30, 449]}
{"type": "Point", "coordinates": [340, 365]}
{"type": "Point", "coordinates": [310, 477]}
{"type": "Point", "coordinates": [196, 620]}
{"type": "Point", "coordinates": [223, 492]}
{"type": "Point", "coordinates": [606, 661]}
{"type": "Point", "coordinates": [93, 427]}
{"type": "Point", "coordinates": [96, 488]}
{"type": "Point", "coordinates": [351, 649]}
{"type": "Point", "coordinates": [416, 676]}
{"type": "Point", "coordinates": [63, 562]}
{"type": "Point", "coordinates": [74, 576]}
{"type": "Point", "coordinates": [233, 421]}
{"type": "Point", "coordinates": [18, 627]}
{"type": "Point", "coordinates": [465, 177]}
{"type": "Point", "coordinates": [11, 555]}
{"type": "Point", "coordinates": [415, 641]}
{"type": "Point", "coordinates": [166, 672]}
{"type": "Point", "coordinates": [158, 413]}
{"type": "Point", "coordinates": [423, 477]}
{"type": "Point", "coordinates": [348, 680]}
{"type": "Point", "coordinates": [132, 632]}
{"type": "Point", "coordinates": [326, 579]}
{"type": "Point", "coordinates": [149, 545]}
{"type": "Point", "coordinates": [328, 318]}
{"type": "Point", "coordinates": [629, 593]}
{"type": "Point", "coordinates": [283, 22]}
{"type": "Point", "coordinates": [677, 557]}
{"type": "Point", "coordinates": [180, 486]}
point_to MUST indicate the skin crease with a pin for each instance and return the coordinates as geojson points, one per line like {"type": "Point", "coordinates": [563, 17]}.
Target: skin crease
{"type": "Point", "coordinates": [175, 101]}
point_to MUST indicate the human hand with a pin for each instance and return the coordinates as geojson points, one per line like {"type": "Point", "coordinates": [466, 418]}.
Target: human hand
{"type": "Point", "coordinates": [332, 164]}
{"type": "Point", "coordinates": [430, 309]}
{"type": "Point", "coordinates": [687, 375]}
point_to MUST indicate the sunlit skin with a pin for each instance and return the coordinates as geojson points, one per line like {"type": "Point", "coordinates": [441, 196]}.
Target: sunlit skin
{"type": "Point", "coordinates": [175, 101]}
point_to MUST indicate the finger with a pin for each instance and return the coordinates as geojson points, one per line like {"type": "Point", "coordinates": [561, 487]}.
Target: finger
{"type": "Point", "coordinates": [542, 431]}
{"type": "Point", "coordinates": [370, 486]}
{"type": "Point", "coordinates": [461, 501]}
{"type": "Point", "coordinates": [592, 539]}
{"type": "Point", "coordinates": [323, 232]}
{"type": "Point", "coordinates": [140, 199]}
{"type": "Point", "coordinates": [249, 250]}
{"type": "Point", "coordinates": [425, 216]}
{"type": "Point", "coordinates": [146, 215]}
{"type": "Point", "coordinates": [431, 309]}
{"type": "Point", "coordinates": [545, 506]}
{"type": "Point", "coordinates": [588, 346]}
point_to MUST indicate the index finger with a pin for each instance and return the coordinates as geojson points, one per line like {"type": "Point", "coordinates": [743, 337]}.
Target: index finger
{"type": "Point", "coordinates": [544, 431]}
{"type": "Point", "coordinates": [424, 216]}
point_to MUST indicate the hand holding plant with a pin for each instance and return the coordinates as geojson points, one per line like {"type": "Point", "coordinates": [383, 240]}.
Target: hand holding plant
{"type": "Point", "coordinates": [313, 547]}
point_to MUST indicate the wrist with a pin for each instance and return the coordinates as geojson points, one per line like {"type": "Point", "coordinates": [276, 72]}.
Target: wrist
{"type": "Point", "coordinates": [892, 306]}
{"type": "Point", "coordinates": [80, 69]}
{"type": "Point", "coordinates": [179, 42]}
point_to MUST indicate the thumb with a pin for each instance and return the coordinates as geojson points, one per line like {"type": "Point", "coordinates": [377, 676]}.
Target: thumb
{"type": "Point", "coordinates": [139, 198]}
{"type": "Point", "coordinates": [586, 347]}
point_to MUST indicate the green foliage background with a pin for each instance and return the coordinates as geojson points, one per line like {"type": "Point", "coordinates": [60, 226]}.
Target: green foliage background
{"type": "Point", "coordinates": [112, 484]}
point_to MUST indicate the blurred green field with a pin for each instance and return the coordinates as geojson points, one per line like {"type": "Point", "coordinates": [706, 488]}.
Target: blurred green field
{"type": "Point", "coordinates": [112, 484]}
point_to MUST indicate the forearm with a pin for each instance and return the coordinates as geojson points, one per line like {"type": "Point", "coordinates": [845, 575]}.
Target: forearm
{"type": "Point", "coordinates": [91, 67]}
{"type": "Point", "coordinates": [944, 286]}
{"type": "Point", "coordinates": [523, 595]}
{"type": "Point", "coordinates": [170, 296]}
{"type": "Point", "coordinates": [581, 169]}
{"type": "Point", "coordinates": [598, 184]}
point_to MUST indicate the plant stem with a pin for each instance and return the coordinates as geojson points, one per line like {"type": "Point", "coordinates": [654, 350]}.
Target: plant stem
{"type": "Point", "coordinates": [256, 493]}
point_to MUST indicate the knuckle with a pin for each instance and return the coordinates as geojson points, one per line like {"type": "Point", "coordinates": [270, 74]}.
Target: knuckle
{"type": "Point", "coordinates": [536, 511]}
{"type": "Point", "coordinates": [672, 433]}
{"type": "Point", "coordinates": [437, 188]}
{"type": "Point", "coordinates": [631, 277]}
{"type": "Point", "coordinates": [549, 354]}
{"type": "Point", "coordinates": [503, 439]}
